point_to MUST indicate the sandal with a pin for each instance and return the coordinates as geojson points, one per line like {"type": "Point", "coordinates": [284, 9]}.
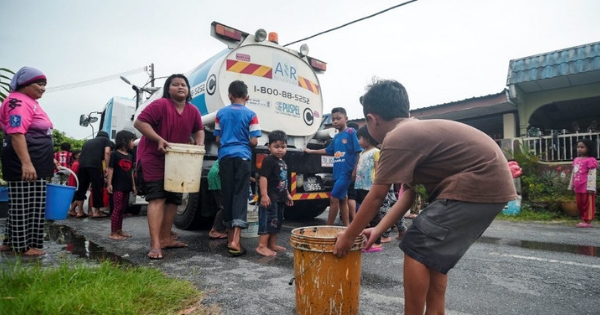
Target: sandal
{"type": "Point", "coordinates": [217, 236]}
{"type": "Point", "coordinates": [236, 253]}
{"type": "Point", "coordinates": [373, 249]}
{"type": "Point", "coordinates": [175, 245]}
{"type": "Point", "coordinates": [155, 254]}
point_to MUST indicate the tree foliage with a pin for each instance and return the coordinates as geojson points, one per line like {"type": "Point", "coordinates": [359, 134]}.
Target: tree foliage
{"type": "Point", "coordinates": [5, 77]}
{"type": "Point", "coordinates": [60, 138]}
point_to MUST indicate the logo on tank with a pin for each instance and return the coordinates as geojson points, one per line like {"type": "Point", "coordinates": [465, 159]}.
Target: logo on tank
{"type": "Point", "coordinates": [285, 71]}
{"type": "Point", "coordinates": [309, 116]}
{"type": "Point", "coordinates": [287, 109]}
{"type": "Point", "coordinates": [211, 85]}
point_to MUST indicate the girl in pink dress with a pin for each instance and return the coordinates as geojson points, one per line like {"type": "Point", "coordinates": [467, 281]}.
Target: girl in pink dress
{"type": "Point", "coordinates": [583, 182]}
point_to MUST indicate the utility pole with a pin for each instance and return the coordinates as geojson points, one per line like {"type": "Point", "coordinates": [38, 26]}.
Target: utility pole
{"type": "Point", "coordinates": [152, 74]}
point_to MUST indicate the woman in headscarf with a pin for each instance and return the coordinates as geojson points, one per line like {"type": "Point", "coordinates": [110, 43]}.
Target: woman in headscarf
{"type": "Point", "coordinates": [27, 159]}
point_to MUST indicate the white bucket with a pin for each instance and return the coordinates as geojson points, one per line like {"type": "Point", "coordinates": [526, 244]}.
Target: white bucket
{"type": "Point", "coordinates": [183, 167]}
{"type": "Point", "coordinates": [252, 230]}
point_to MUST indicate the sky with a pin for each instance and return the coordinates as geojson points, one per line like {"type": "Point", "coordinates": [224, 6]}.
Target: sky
{"type": "Point", "coordinates": [441, 50]}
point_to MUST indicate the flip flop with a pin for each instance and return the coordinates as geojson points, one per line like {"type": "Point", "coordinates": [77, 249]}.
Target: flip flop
{"type": "Point", "coordinates": [79, 216]}
{"type": "Point", "coordinates": [219, 237]}
{"type": "Point", "coordinates": [373, 249]}
{"type": "Point", "coordinates": [99, 216]}
{"type": "Point", "coordinates": [176, 245]}
{"type": "Point", "coordinates": [155, 254]}
{"type": "Point", "coordinates": [237, 253]}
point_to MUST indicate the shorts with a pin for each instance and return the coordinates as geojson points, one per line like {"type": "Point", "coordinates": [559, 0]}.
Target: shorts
{"type": "Point", "coordinates": [441, 234]}
{"type": "Point", "coordinates": [351, 191]}
{"type": "Point", "coordinates": [156, 190]}
{"type": "Point", "coordinates": [270, 219]}
{"type": "Point", "coordinates": [340, 188]}
{"type": "Point", "coordinates": [360, 195]}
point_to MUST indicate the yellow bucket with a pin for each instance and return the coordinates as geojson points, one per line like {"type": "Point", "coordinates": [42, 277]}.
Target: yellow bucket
{"type": "Point", "coordinates": [325, 284]}
{"type": "Point", "coordinates": [183, 168]}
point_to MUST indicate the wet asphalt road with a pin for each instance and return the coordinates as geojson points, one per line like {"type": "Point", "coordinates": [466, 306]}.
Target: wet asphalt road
{"type": "Point", "coordinates": [516, 268]}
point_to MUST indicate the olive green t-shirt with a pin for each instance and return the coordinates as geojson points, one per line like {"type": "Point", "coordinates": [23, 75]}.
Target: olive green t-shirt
{"type": "Point", "coordinates": [452, 160]}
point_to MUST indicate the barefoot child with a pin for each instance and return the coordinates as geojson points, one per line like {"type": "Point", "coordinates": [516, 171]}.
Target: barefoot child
{"type": "Point", "coordinates": [583, 182]}
{"type": "Point", "coordinates": [274, 195]}
{"type": "Point", "coordinates": [120, 181]}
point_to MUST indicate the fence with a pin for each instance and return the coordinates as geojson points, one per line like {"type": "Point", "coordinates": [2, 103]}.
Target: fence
{"type": "Point", "coordinates": [559, 147]}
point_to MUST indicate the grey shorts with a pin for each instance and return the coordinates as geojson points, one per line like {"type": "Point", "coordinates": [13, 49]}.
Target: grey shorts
{"type": "Point", "coordinates": [441, 234]}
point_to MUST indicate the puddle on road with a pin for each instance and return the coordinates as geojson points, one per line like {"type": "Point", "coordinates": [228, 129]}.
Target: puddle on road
{"type": "Point", "coordinates": [553, 247]}
{"type": "Point", "coordinates": [78, 245]}
{"type": "Point", "coordinates": [60, 240]}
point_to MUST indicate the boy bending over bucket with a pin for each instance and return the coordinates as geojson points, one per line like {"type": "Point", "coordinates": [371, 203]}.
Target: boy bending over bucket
{"type": "Point", "coordinates": [463, 170]}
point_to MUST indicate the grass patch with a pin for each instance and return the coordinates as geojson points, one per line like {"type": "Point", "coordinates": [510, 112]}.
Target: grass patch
{"type": "Point", "coordinates": [529, 214]}
{"type": "Point", "coordinates": [102, 289]}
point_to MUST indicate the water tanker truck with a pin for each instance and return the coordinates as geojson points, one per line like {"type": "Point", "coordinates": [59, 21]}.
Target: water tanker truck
{"type": "Point", "coordinates": [285, 94]}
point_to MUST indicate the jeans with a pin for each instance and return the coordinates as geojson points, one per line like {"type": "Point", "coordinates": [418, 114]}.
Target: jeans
{"type": "Point", "coordinates": [235, 180]}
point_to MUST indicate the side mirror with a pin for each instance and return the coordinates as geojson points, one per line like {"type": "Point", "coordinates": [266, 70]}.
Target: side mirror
{"type": "Point", "coordinates": [83, 121]}
{"type": "Point", "coordinates": [92, 120]}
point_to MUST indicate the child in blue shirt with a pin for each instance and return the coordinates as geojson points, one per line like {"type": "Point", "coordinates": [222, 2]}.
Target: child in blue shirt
{"type": "Point", "coordinates": [344, 149]}
{"type": "Point", "coordinates": [236, 133]}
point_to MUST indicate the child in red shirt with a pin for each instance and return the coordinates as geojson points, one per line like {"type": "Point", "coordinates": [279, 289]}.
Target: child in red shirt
{"type": "Point", "coordinates": [73, 211]}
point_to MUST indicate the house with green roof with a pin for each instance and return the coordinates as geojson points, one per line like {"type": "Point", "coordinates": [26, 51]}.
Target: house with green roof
{"type": "Point", "coordinates": [551, 100]}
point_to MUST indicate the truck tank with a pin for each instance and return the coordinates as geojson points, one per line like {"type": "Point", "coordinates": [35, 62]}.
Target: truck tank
{"type": "Point", "coordinates": [285, 93]}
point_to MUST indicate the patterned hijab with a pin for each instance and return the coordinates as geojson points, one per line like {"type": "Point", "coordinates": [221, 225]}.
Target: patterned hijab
{"type": "Point", "coordinates": [26, 76]}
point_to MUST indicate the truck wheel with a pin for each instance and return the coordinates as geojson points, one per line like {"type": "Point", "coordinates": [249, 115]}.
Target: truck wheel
{"type": "Point", "coordinates": [185, 218]}
{"type": "Point", "coordinates": [306, 209]}
{"type": "Point", "coordinates": [197, 210]}
{"type": "Point", "coordinates": [134, 209]}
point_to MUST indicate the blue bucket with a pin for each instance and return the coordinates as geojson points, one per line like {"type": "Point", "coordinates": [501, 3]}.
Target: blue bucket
{"type": "Point", "coordinates": [58, 201]}
{"type": "Point", "coordinates": [513, 207]}
{"type": "Point", "coordinates": [3, 194]}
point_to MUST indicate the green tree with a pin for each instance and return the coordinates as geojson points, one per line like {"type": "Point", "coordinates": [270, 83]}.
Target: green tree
{"type": "Point", "coordinates": [60, 138]}
{"type": "Point", "coordinates": [5, 77]}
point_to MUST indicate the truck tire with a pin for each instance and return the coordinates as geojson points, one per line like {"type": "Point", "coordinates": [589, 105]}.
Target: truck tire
{"type": "Point", "coordinates": [307, 209]}
{"type": "Point", "coordinates": [197, 210]}
{"type": "Point", "coordinates": [187, 212]}
{"type": "Point", "coordinates": [134, 209]}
